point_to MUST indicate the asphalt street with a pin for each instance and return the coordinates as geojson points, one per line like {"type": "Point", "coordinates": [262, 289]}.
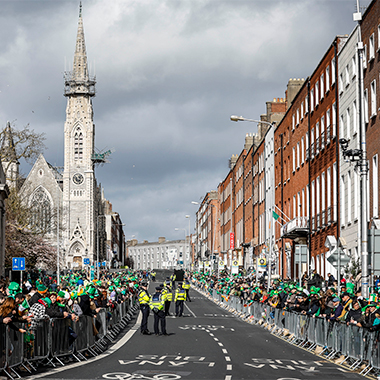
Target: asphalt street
{"type": "Point", "coordinates": [207, 343]}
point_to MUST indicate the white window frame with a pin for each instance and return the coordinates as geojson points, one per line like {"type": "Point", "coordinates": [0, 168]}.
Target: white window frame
{"type": "Point", "coordinates": [366, 117]}
{"type": "Point", "coordinates": [373, 99]}
{"type": "Point", "coordinates": [316, 93]}
{"type": "Point", "coordinates": [349, 197]}
{"type": "Point", "coordinates": [302, 150]}
{"type": "Point", "coordinates": [343, 202]}
{"type": "Point", "coordinates": [312, 100]}
{"type": "Point", "coordinates": [353, 66]}
{"type": "Point", "coordinates": [332, 71]}
{"type": "Point", "coordinates": [298, 155]}
{"type": "Point", "coordinates": [354, 118]}
{"type": "Point", "coordinates": [375, 186]}
{"type": "Point", "coordinates": [371, 47]}
{"type": "Point", "coordinates": [347, 75]}
{"type": "Point", "coordinates": [328, 78]}
{"type": "Point", "coordinates": [322, 88]}
{"type": "Point", "coordinates": [328, 179]}
{"type": "Point", "coordinates": [348, 123]}
{"type": "Point", "coordinates": [294, 159]}
{"type": "Point", "coordinates": [365, 57]}
{"type": "Point", "coordinates": [302, 110]}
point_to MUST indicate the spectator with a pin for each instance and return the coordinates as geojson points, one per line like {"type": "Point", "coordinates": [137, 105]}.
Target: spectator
{"type": "Point", "coordinates": [7, 313]}
{"type": "Point", "coordinates": [355, 315]}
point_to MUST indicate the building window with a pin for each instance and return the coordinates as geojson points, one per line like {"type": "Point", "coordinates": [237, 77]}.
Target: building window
{"type": "Point", "coordinates": [348, 123]}
{"type": "Point", "coordinates": [302, 111]}
{"type": "Point", "coordinates": [312, 99]}
{"type": "Point", "coordinates": [293, 122]}
{"type": "Point", "coordinates": [349, 197]}
{"type": "Point", "coordinates": [378, 37]}
{"type": "Point", "coordinates": [317, 93]}
{"type": "Point", "coordinates": [298, 155]}
{"type": "Point", "coordinates": [356, 196]}
{"type": "Point", "coordinates": [78, 144]}
{"type": "Point", "coordinates": [327, 78]}
{"type": "Point", "coordinates": [342, 131]}
{"type": "Point", "coordinates": [375, 187]}
{"type": "Point", "coordinates": [306, 105]}
{"type": "Point", "coordinates": [322, 86]}
{"type": "Point", "coordinates": [366, 119]}
{"type": "Point", "coordinates": [328, 187]}
{"type": "Point", "coordinates": [353, 61]}
{"type": "Point", "coordinates": [294, 159]}
{"type": "Point", "coordinates": [298, 116]}
{"type": "Point", "coordinates": [365, 57]}
{"type": "Point", "coordinates": [347, 75]}
{"type": "Point", "coordinates": [323, 192]}
{"type": "Point", "coordinates": [343, 203]}
{"type": "Point", "coordinates": [371, 47]}
{"type": "Point", "coordinates": [354, 118]}
{"type": "Point", "coordinates": [332, 71]}
{"type": "Point", "coordinates": [334, 119]}
{"type": "Point", "coordinates": [303, 150]}
{"type": "Point", "coordinates": [41, 210]}
{"type": "Point", "coordinates": [373, 99]}
{"type": "Point", "coordinates": [340, 83]}
{"type": "Point", "coordinates": [335, 186]}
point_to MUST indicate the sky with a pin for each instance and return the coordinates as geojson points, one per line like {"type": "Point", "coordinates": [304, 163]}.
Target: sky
{"type": "Point", "coordinates": [169, 75]}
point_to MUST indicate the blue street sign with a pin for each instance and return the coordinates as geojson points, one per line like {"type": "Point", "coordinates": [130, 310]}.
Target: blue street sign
{"type": "Point", "coordinates": [99, 264]}
{"type": "Point", "coordinates": [18, 263]}
{"type": "Point", "coordinates": [104, 263]}
{"type": "Point", "coordinates": [92, 274]}
{"type": "Point", "coordinates": [86, 261]}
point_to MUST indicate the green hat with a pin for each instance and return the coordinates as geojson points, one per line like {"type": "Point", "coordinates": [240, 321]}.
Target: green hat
{"type": "Point", "coordinates": [61, 294]}
{"type": "Point", "coordinates": [48, 301]}
{"type": "Point", "coordinates": [41, 288]}
{"type": "Point", "coordinates": [14, 287]}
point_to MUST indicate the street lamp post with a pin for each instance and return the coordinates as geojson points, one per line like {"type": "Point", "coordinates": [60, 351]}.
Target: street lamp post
{"type": "Point", "coordinates": [188, 217]}
{"type": "Point", "coordinates": [184, 253]}
{"type": "Point", "coordinates": [97, 245]}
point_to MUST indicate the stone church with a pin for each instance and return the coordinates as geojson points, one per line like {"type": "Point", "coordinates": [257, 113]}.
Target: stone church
{"type": "Point", "coordinates": [71, 195]}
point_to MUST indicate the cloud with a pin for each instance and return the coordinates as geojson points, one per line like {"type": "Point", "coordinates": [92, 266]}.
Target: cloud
{"type": "Point", "coordinates": [169, 75]}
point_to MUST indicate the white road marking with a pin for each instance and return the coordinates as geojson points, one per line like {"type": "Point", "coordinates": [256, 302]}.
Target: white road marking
{"type": "Point", "coordinates": [228, 359]}
{"type": "Point", "coordinates": [211, 364]}
{"type": "Point", "coordinates": [216, 339]}
{"type": "Point", "coordinates": [229, 367]}
{"type": "Point", "coordinates": [224, 351]}
{"type": "Point", "coordinates": [228, 377]}
{"type": "Point", "coordinates": [110, 351]}
{"type": "Point", "coordinates": [211, 334]}
{"type": "Point", "coordinates": [190, 310]}
{"type": "Point", "coordinates": [220, 344]}
{"type": "Point", "coordinates": [207, 331]}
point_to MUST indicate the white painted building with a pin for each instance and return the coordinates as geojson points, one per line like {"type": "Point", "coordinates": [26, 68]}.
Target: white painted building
{"type": "Point", "coordinates": [349, 180]}
{"type": "Point", "coordinates": [157, 255]}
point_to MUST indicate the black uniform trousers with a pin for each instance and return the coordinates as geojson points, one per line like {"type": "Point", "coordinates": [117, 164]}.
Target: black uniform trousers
{"type": "Point", "coordinates": [179, 308]}
{"type": "Point", "coordinates": [167, 307]}
{"type": "Point", "coordinates": [159, 317]}
{"type": "Point", "coordinates": [188, 295]}
{"type": "Point", "coordinates": [145, 314]}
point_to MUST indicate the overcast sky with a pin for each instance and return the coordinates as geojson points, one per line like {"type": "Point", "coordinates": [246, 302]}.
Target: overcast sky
{"type": "Point", "coordinates": [169, 75]}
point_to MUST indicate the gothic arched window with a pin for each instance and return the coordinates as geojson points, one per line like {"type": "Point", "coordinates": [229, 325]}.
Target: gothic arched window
{"type": "Point", "coordinates": [78, 144]}
{"type": "Point", "coordinates": [41, 210]}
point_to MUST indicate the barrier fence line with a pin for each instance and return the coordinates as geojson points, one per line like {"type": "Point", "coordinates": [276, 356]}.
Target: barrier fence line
{"type": "Point", "coordinates": [52, 340]}
{"type": "Point", "coordinates": [350, 343]}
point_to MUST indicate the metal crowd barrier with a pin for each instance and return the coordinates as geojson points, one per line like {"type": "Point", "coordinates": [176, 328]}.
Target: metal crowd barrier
{"type": "Point", "coordinates": [54, 339]}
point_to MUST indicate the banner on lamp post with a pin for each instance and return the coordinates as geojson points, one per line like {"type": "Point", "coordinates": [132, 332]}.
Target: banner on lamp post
{"type": "Point", "coordinates": [232, 240]}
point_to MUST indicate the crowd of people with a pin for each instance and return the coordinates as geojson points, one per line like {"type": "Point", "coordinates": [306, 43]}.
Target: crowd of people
{"type": "Point", "coordinates": [312, 296]}
{"type": "Point", "coordinates": [40, 297]}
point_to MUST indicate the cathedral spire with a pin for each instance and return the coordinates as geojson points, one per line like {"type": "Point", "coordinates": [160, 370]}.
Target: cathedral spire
{"type": "Point", "coordinates": [8, 146]}
{"type": "Point", "coordinates": [78, 81]}
{"type": "Point", "coordinates": [80, 70]}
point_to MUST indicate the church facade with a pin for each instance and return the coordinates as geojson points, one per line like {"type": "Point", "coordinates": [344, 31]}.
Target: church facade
{"type": "Point", "coordinates": [67, 202]}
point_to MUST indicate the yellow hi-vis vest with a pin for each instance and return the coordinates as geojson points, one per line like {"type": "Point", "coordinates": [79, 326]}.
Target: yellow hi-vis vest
{"type": "Point", "coordinates": [186, 285]}
{"type": "Point", "coordinates": [180, 295]}
{"type": "Point", "coordinates": [143, 297]}
{"type": "Point", "coordinates": [157, 302]}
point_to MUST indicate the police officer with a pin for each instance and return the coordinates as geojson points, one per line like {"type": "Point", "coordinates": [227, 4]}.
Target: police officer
{"type": "Point", "coordinates": [186, 286]}
{"type": "Point", "coordinates": [168, 297]}
{"type": "Point", "coordinates": [157, 305]}
{"type": "Point", "coordinates": [153, 275]}
{"type": "Point", "coordinates": [180, 298]}
{"type": "Point", "coordinates": [144, 307]}
{"type": "Point", "coordinates": [172, 279]}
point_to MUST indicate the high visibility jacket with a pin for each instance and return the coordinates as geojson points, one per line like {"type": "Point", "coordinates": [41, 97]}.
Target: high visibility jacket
{"type": "Point", "coordinates": [186, 285]}
{"type": "Point", "coordinates": [172, 277]}
{"type": "Point", "coordinates": [180, 295]}
{"type": "Point", "coordinates": [143, 297]}
{"type": "Point", "coordinates": [167, 283]}
{"type": "Point", "coordinates": [153, 274]}
{"type": "Point", "coordinates": [157, 301]}
{"type": "Point", "coordinates": [164, 293]}
{"type": "Point", "coordinates": [169, 295]}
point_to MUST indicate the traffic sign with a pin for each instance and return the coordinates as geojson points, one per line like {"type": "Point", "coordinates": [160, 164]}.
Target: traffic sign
{"type": "Point", "coordinates": [104, 263]}
{"type": "Point", "coordinates": [86, 261]}
{"type": "Point", "coordinates": [98, 264]}
{"type": "Point", "coordinates": [18, 263]}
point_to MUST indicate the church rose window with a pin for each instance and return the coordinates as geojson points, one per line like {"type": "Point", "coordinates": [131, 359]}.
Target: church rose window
{"type": "Point", "coordinates": [41, 210]}
{"type": "Point", "coordinates": [78, 144]}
